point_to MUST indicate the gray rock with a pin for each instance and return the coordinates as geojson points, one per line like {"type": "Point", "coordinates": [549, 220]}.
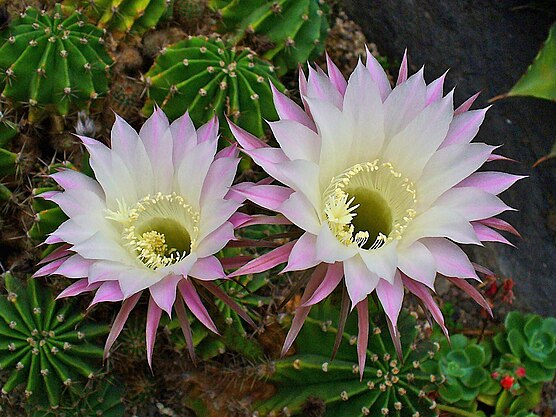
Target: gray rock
{"type": "Point", "coordinates": [488, 46]}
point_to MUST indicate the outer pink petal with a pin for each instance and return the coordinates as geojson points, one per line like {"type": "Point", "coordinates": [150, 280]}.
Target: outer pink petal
{"type": "Point", "coordinates": [288, 109]}
{"type": "Point", "coordinates": [402, 75]}
{"type": "Point", "coordinates": [109, 291]}
{"type": "Point", "coordinates": [466, 105]}
{"type": "Point", "coordinates": [185, 328]}
{"type": "Point", "coordinates": [391, 297]}
{"type": "Point", "coordinates": [333, 276]}
{"type": "Point", "coordinates": [119, 322]}
{"type": "Point", "coordinates": [246, 139]}
{"type": "Point", "coordinates": [486, 234]}
{"type": "Point", "coordinates": [240, 220]}
{"type": "Point", "coordinates": [362, 335]}
{"type": "Point", "coordinates": [219, 179]}
{"type": "Point", "coordinates": [77, 288]}
{"type": "Point", "coordinates": [154, 312]}
{"type": "Point", "coordinates": [208, 131]}
{"type": "Point", "coordinates": [336, 76]}
{"type": "Point", "coordinates": [301, 313]}
{"type": "Point", "coordinates": [435, 90]}
{"type": "Point", "coordinates": [268, 196]}
{"type": "Point", "coordinates": [378, 75]}
{"type": "Point", "coordinates": [304, 254]}
{"type": "Point", "coordinates": [49, 268]}
{"type": "Point", "coordinates": [74, 267]}
{"type": "Point", "coordinates": [194, 303]}
{"type": "Point", "coordinates": [184, 137]}
{"type": "Point", "coordinates": [319, 86]}
{"type": "Point", "coordinates": [472, 292]}
{"type": "Point", "coordinates": [265, 262]}
{"type": "Point", "coordinates": [500, 225]}
{"type": "Point", "coordinates": [464, 127]}
{"type": "Point", "coordinates": [164, 292]}
{"type": "Point", "coordinates": [490, 181]}
{"type": "Point", "coordinates": [216, 240]}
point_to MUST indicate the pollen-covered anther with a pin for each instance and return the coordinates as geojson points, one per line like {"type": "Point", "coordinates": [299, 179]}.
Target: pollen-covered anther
{"type": "Point", "coordinates": [369, 204]}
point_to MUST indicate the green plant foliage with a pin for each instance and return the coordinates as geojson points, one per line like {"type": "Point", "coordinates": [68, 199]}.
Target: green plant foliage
{"type": "Point", "coordinates": [530, 340]}
{"type": "Point", "coordinates": [519, 414]}
{"type": "Point", "coordinates": [464, 367]}
{"type": "Point", "coordinates": [205, 77]}
{"type": "Point", "coordinates": [121, 17]}
{"type": "Point", "coordinates": [389, 386]}
{"type": "Point", "coordinates": [188, 12]}
{"type": "Point", "coordinates": [297, 29]}
{"type": "Point", "coordinates": [102, 398]}
{"type": "Point", "coordinates": [540, 79]}
{"type": "Point", "coordinates": [43, 344]}
{"type": "Point", "coordinates": [49, 61]}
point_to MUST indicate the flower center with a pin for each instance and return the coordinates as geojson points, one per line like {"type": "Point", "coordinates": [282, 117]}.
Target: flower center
{"type": "Point", "coordinates": [159, 230]}
{"type": "Point", "coordinates": [369, 204]}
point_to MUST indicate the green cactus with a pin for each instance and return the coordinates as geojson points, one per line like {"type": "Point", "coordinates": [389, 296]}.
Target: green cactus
{"type": "Point", "coordinates": [188, 12]}
{"type": "Point", "coordinates": [121, 17]}
{"type": "Point", "coordinates": [206, 77]}
{"type": "Point", "coordinates": [464, 366]}
{"type": "Point", "coordinates": [8, 160]}
{"type": "Point", "coordinates": [389, 386]}
{"type": "Point", "coordinates": [43, 344]}
{"type": "Point", "coordinates": [297, 28]}
{"type": "Point", "coordinates": [51, 62]}
{"type": "Point", "coordinates": [101, 398]}
{"type": "Point", "coordinates": [8, 129]}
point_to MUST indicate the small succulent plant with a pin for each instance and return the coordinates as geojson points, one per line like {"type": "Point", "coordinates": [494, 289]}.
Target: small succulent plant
{"type": "Point", "coordinates": [53, 62]}
{"type": "Point", "coordinates": [531, 341]}
{"type": "Point", "coordinates": [205, 77]}
{"type": "Point", "coordinates": [296, 29]}
{"type": "Point", "coordinates": [188, 12]}
{"type": "Point", "coordinates": [389, 386]}
{"type": "Point", "coordinates": [120, 17]}
{"type": "Point", "coordinates": [43, 344]}
{"type": "Point", "coordinates": [463, 366]}
{"type": "Point", "coordinates": [100, 398]}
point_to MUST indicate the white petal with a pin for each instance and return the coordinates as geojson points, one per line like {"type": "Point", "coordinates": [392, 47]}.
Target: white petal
{"type": "Point", "coordinates": [330, 249]}
{"type": "Point", "coordinates": [214, 214]}
{"type": "Point", "coordinates": [417, 262]}
{"type": "Point", "coordinates": [302, 176]}
{"type": "Point", "coordinates": [382, 261]}
{"type": "Point", "coordinates": [193, 170]}
{"type": "Point", "coordinates": [450, 260]}
{"type": "Point", "coordinates": [296, 140]}
{"type": "Point", "coordinates": [299, 210]}
{"type": "Point", "coordinates": [471, 203]}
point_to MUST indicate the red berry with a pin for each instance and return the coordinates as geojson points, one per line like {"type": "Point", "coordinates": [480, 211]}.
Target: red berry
{"type": "Point", "coordinates": [495, 375]}
{"type": "Point", "coordinates": [520, 372]}
{"type": "Point", "coordinates": [507, 382]}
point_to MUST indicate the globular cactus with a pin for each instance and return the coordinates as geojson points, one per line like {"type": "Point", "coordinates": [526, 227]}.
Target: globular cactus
{"type": "Point", "coordinates": [296, 28]}
{"type": "Point", "coordinates": [8, 160]}
{"type": "Point", "coordinates": [43, 343]}
{"type": "Point", "coordinates": [48, 61]}
{"type": "Point", "coordinates": [464, 367]}
{"type": "Point", "coordinates": [121, 17]}
{"type": "Point", "coordinates": [188, 12]}
{"type": "Point", "coordinates": [205, 77]}
{"type": "Point", "coordinates": [126, 97]}
{"type": "Point", "coordinates": [390, 387]}
{"type": "Point", "coordinates": [102, 398]}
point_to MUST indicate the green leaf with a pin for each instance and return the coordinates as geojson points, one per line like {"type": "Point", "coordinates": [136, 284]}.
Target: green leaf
{"type": "Point", "coordinates": [540, 79]}
{"type": "Point", "coordinates": [516, 341]}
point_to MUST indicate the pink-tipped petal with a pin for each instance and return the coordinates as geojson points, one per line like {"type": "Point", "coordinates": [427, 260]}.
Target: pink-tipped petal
{"type": "Point", "coordinates": [185, 328]}
{"type": "Point", "coordinates": [77, 288]}
{"type": "Point", "coordinates": [500, 225]}
{"type": "Point", "coordinates": [333, 276]}
{"type": "Point", "coordinates": [194, 303]}
{"type": "Point", "coordinates": [268, 196]}
{"type": "Point", "coordinates": [362, 335]}
{"type": "Point", "coordinates": [425, 296]}
{"type": "Point", "coordinates": [288, 109]}
{"type": "Point", "coordinates": [265, 262]}
{"type": "Point", "coordinates": [402, 75]}
{"type": "Point", "coordinates": [246, 140]}
{"type": "Point", "coordinates": [435, 90]}
{"type": "Point", "coordinates": [164, 292]}
{"type": "Point", "coordinates": [58, 253]}
{"type": "Point", "coordinates": [301, 313]}
{"type": "Point", "coordinates": [49, 268]}
{"type": "Point", "coordinates": [336, 76]}
{"type": "Point", "coordinates": [391, 297]}
{"type": "Point", "coordinates": [218, 293]}
{"type": "Point", "coordinates": [209, 131]}
{"type": "Point", "coordinates": [218, 181]}
{"type": "Point", "coordinates": [119, 322]}
{"type": "Point", "coordinates": [74, 267]}
{"type": "Point", "coordinates": [418, 263]}
{"type": "Point", "coordinates": [296, 140]}
{"type": "Point", "coordinates": [303, 255]}
{"type": "Point", "coordinates": [301, 212]}
{"type": "Point", "coordinates": [207, 269]}
{"type": "Point", "coordinates": [108, 291]}
{"type": "Point", "coordinates": [154, 312]}
{"type": "Point", "coordinates": [466, 105]}
{"type": "Point", "coordinates": [450, 260]}
{"type": "Point", "coordinates": [495, 157]}
{"type": "Point", "coordinates": [184, 137]}
{"type": "Point", "coordinates": [240, 220]}
{"type": "Point", "coordinates": [472, 292]}
{"type": "Point", "coordinates": [378, 75]}
{"type": "Point", "coordinates": [464, 127]}
{"type": "Point", "coordinates": [490, 181]}
{"type": "Point", "coordinates": [231, 151]}
{"type": "Point", "coordinates": [320, 87]}
{"type": "Point", "coordinates": [486, 234]}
